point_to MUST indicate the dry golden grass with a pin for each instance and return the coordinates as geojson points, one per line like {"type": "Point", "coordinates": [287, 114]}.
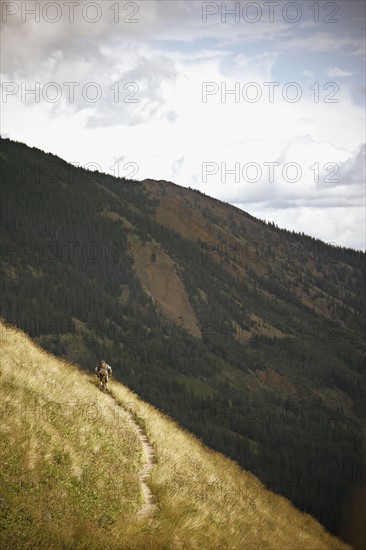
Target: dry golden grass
{"type": "Point", "coordinates": [69, 458]}
{"type": "Point", "coordinates": [70, 463]}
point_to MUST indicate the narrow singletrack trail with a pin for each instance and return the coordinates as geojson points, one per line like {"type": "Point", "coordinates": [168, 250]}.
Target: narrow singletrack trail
{"type": "Point", "coordinates": [149, 505]}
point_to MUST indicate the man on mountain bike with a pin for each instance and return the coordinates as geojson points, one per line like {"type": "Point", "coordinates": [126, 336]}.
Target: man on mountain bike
{"type": "Point", "coordinates": [103, 372]}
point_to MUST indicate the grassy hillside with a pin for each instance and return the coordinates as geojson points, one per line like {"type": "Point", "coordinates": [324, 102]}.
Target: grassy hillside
{"type": "Point", "coordinates": [69, 471]}
{"type": "Point", "coordinates": [249, 336]}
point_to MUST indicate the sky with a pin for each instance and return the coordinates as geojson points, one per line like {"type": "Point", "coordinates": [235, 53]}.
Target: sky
{"type": "Point", "coordinates": [259, 104]}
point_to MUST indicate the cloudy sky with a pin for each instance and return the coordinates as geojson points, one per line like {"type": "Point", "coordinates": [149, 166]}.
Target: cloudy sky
{"type": "Point", "coordinates": [260, 104]}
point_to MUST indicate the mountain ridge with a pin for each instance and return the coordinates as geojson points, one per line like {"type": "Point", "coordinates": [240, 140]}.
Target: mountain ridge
{"type": "Point", "coordinates": [276, 362]}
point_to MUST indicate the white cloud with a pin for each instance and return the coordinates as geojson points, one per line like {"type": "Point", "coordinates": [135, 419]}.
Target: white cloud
{"type": "Point", "coordinates": [352, 170]}
{"type": "Point", "coordinates": [337, 225]}
{"type": "Point", "coordinates": [336, 72]}
{"type": "Point", "coordinates": [322, 42]}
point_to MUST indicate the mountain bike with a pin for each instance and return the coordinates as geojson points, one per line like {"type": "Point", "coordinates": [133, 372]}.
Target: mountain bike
{"type": "Point", "coordinates": [104, 382]}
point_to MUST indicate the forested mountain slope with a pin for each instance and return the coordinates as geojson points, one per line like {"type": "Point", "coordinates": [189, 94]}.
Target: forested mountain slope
{"type": "Point", "coordinates": [70, 463]}
{"type": "Point", "coordinates": [250, 336]}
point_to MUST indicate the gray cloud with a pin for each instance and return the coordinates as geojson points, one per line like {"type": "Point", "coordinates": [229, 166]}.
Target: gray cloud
{"type": "Point", "coordinates": [27, 46]}
{"type": "Point", "coordinates": [352, 171]}
{"type": "Point", "coordinates": [141, 97]}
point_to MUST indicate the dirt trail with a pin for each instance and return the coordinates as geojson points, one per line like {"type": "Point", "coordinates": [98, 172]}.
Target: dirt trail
{"type": "Point", "coordinates": [149, 505]}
